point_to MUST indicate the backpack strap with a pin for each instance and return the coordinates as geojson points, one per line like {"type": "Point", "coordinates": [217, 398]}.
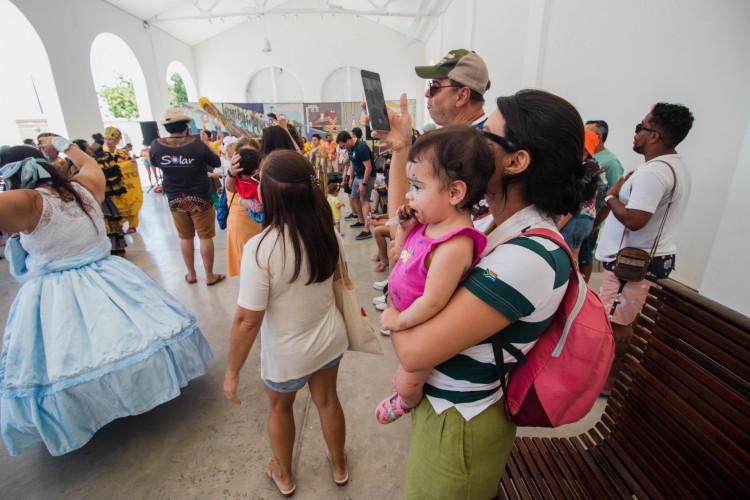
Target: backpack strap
{"type": "Point", "coordinates": [500, 344]}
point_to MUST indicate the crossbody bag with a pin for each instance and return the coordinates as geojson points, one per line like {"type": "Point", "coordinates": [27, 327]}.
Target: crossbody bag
{"type": "Point", "coordinates": [631, 264]}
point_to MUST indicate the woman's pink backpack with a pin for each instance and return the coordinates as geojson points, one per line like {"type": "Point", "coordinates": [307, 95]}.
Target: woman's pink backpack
{"type": "Point", "coordinates": [558, 380]}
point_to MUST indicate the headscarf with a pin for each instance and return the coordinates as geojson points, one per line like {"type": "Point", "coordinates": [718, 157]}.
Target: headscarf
{"type": "Point", "coordinates": [31, 170]}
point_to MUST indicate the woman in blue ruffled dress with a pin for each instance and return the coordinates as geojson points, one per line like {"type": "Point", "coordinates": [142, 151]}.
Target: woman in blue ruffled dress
{"type": "Point", "coordinates": [90, 337]}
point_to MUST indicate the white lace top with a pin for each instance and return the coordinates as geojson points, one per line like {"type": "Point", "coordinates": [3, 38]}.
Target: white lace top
{"type": "Point", "coordinates": [64, 230]}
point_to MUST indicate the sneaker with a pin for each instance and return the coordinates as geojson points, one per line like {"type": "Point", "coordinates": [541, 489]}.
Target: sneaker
{"type": "Point", "coordinates": [379, 300]}
{"type": "Point", "coordinates": [385, 333]}
{"type": "Point", "coordinates": [379, 285]}
{"type": "Point", "coordinates": [351, 216]}
{"type": "Point", "coordinates": [363, 235]}
{"type": "Point", "coordinates": [357, 224]}
{"type": "Point", "coordinates": [381, 307]}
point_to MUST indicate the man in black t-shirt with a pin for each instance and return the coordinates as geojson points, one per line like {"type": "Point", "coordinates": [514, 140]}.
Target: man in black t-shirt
{"type": "Point", "coordinates": [361, 178]}
{"type": "Point", "coordinates": [185, 162]}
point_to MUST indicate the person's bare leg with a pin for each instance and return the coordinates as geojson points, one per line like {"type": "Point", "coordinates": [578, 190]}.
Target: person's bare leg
{"type": "Point", "coordinates": [188, 255]}
{"type": "Point", "coordinates": [322, 386]}
{"type": "Point", "coordinates": [357, 209]}
{"type": "Point", "coordinates": [381, 233]}
{"type": "Point", "coordinates": [281, 432]}
{"type": "Point", "coordinates": [586, 270]}
{"type": "Point", "coordinates": [351, 204]}
{"type": "Point", "coordinates": [207, 254]}
{"type": "Point", "coordinates": [366, 207]}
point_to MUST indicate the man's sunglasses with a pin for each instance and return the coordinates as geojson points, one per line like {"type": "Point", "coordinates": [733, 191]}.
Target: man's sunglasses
{"type": "Point", "coordinates": [501, 141]}
{"type": "Point", "coordinates": [435, 87]}
{"type": "Point", "coordinates": [641, 126]}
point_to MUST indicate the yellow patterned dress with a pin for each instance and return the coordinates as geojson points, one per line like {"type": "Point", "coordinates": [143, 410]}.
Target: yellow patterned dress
{"type": "Point", "coordinates": [114, 189]}
{"type": "Point", "coordinates": [129, 204]}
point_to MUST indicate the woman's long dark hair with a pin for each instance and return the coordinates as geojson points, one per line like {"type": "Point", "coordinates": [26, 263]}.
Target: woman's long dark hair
{"type": "Point", "coordinates": [292, 200]}
{"type": "Point", "coordinates": [557, 181]}
{"type": "Point", "coordinates": [275, 137]}
{"type": "Point", "coordinates": [63, 187]}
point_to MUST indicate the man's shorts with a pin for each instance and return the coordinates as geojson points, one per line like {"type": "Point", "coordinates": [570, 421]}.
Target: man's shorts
{"type": "Point", "coordinates": [633, 296]}
{"type": "Point", "coordinates": [368, 188]}
{"type": "Point", "coordinates": [576, 230]}
{"type": "Point", "coordinates": [298, 383]}
{"type": "Point", "coordinates": [630, 300]}
{"type": "Point", "coordinates": [203, 223]}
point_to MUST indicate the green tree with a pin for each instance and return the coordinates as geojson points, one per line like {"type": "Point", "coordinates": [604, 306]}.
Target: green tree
{"type": "Point", "coordinates": [176, 91]}
{"type": "Point", "coordinates": [120, 98]}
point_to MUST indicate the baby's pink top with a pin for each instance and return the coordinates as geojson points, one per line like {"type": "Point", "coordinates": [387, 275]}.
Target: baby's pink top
{"type": "Point", "coordinates": [407, 280]}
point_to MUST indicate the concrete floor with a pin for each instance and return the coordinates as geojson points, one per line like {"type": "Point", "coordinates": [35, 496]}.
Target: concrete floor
{"type": "Point", "coordinates": [201, 446]}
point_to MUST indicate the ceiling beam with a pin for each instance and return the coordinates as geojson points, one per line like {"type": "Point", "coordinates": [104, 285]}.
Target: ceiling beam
{"type": "Point", "coordinates": [281, 12]}
{"type": "Point", "coordinates": [411, 35]}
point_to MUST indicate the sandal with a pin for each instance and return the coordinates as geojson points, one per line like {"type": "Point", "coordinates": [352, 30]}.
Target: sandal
{"type": "Point", "coordinates": [382, 266]}
{"type": "Point", "coordinates": [219, 277]}
{"type": "Point", "coordinates": [288, 492]}
{"type": "Point", "coordinates": [339, 482]}
{"type": "Point", "coordinates": [390, 409]}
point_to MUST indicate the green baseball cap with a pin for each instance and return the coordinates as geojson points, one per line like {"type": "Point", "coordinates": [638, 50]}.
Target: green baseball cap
{"type": "Point", "coordinates": [462, 66]}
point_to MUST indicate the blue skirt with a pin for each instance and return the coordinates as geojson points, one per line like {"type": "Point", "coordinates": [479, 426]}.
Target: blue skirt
{"type": "Point", "coordinates": [86, 345]}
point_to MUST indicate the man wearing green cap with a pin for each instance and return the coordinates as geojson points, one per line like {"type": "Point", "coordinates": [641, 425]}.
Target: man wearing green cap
{"type": "Point", "coordinates": [456, 88]}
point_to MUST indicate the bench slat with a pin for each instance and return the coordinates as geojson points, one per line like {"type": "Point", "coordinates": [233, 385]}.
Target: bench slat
{"type": "Point", "coordinates": [732, 359]}
{"type": "Point", "coordinates": [689, 385]}
{"type": "Point", "coordinates": [553, 481]}
{"type": "Point", "coordinates": [677, 423]}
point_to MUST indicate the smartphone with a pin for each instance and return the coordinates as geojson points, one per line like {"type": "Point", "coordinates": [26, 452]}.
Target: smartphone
{"type": "Point", "coordinates": [375, 101]}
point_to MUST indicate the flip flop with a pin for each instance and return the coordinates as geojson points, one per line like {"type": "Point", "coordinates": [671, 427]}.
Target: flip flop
{"type": "Point", "coordinates": [220, 277]}
{"type": "Point", "coordinates": [191, 282]}
{"type": "Point", "coordinates": [269, 473]}
{"type": "Point", "coordinates": [341, 482]}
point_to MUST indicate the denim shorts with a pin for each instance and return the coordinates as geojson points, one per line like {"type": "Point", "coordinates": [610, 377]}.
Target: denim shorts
{"type": "Point", "coordinates": [368, 188]}
{"type": "Point", "coordinates": [576, 230]}
{"type": "Point", "coordinates": [298, 383]}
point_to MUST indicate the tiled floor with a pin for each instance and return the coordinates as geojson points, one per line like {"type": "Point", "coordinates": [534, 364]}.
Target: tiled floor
{"type": "Point", "coordinates": [201, 446]}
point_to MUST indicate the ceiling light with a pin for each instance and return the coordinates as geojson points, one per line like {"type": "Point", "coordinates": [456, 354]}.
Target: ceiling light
{"type": "Point", "coordinates": [266, 45]}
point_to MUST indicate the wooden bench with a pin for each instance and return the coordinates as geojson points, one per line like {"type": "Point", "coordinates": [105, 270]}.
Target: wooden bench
{"type": "Point", "coordinates": [677, 424]}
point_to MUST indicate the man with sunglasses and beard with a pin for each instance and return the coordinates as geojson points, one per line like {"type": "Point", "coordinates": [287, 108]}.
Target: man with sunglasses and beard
{"type": "Point", "coordinates": [456, 88]}
{"type": "Point", "coordinates": [646, 209]}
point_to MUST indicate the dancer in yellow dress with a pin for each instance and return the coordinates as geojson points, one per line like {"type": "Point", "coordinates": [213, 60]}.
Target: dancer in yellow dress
{"type": "Point", "coordinates": [129, 204]}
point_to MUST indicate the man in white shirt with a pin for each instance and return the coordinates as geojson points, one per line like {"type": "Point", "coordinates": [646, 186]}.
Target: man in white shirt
{"type": "Point", "coordinates": [651, 197]}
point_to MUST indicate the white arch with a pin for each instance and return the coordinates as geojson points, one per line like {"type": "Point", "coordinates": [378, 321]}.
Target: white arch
{"type": "Point", "coordinates": [27, 89]}
{"type": "Point", "coordinates": [187, 78]}
{"type": "Point", "coordinates": [111, 55]}
{"type": "Point", "coordinates": [342, 84]}
{"type": "Point", "coordinates": [274, 83]}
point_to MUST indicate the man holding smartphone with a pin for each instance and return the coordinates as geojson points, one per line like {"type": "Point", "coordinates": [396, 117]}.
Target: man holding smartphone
{"type": "Point", "coordinates": [362, 181]}
{"type": "Point", "coordinates": [456, 88]}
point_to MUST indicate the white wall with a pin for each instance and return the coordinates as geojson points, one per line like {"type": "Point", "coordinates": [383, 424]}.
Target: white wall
{"type": "Point", "coordinates": [639, 52]}
{"type": "Point", "coordinates": [725, 279]}
{"type": "Point", "coordinates": [614, 60]}
{"type": "Point", "coordinates": [312, 49]}
{"type": "Point", "coordinates": [67, 30]}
